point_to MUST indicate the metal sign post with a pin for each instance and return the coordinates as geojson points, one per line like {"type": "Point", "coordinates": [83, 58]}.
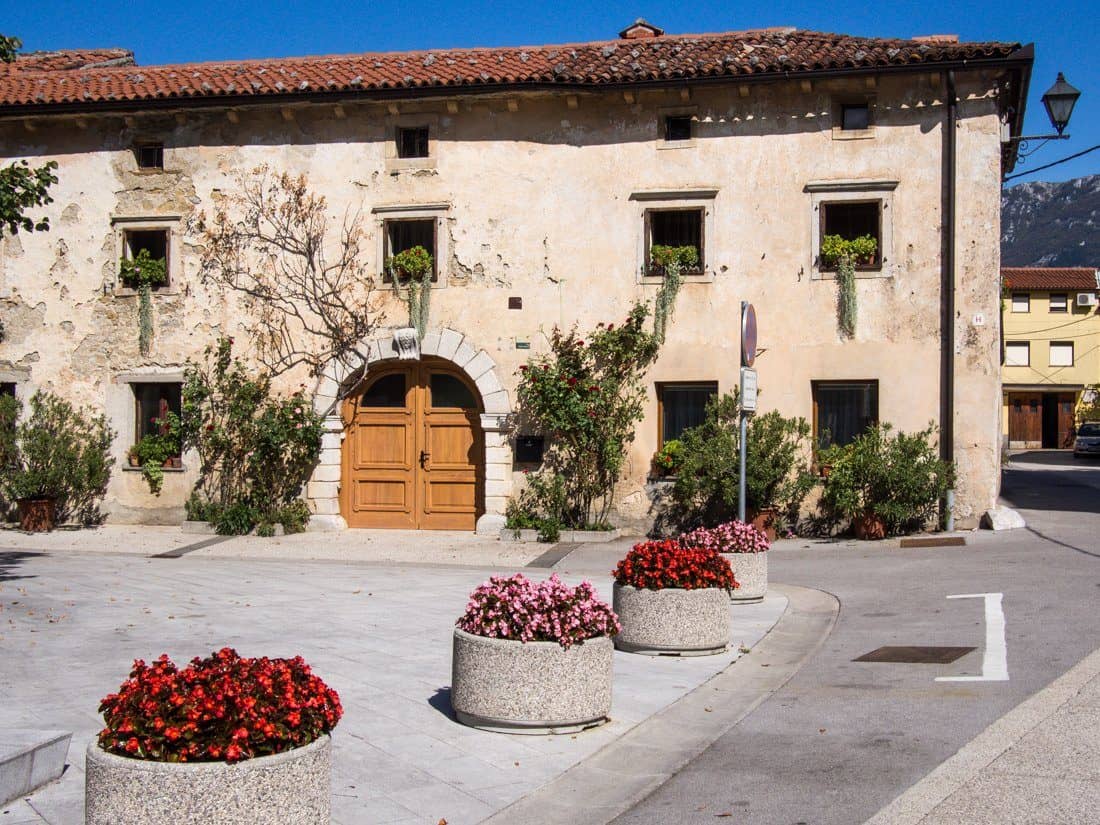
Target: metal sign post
{"type": "Point", "coordinates": [748, 393]}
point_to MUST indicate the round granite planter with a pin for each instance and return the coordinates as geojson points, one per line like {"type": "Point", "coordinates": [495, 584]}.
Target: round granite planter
{"type": "Point", "coordinates": [530, 687]}
{"type": "Point", "coordinates": [751, 572]}
{"type": "Point", "coordinates": [291, 787]}
{"type": "Point", "coordinates": [672, 622]}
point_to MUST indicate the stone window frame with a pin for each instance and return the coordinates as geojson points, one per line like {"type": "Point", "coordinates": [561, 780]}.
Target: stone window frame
{"type": "Point", "coordinates": [838, 131]}
{"type": "Point", "coordinates": [439, 212]}
{"type": "Point", "coordinates": [838, 191]}
{"type": "Point", "coordinates": [21, 379]}
{"type": "Point", "coordinates": [171, 225]}
{"type": "Point", "coordinates": [392, 123]}
{"type": "Point", "coordinates": [670, 200]}
{"type": "Point", "coordinates": [665, 112]}
{"type": "Point", "coordinates": [122, 411]}
{"type": "Point", "coordinates": [141, 145]}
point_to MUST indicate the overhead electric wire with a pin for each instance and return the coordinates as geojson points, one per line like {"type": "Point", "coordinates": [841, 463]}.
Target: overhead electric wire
{"type": "Point", "coordinates": [1054, 163]}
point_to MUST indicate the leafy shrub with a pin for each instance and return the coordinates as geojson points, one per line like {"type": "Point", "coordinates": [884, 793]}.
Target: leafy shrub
{"type": "Point", "coordinates": [294, 517]}
{"type": "Point", "coordinates": [587, 396]}
{"type": "Point", "coordinates": [222, 708]}
{"type": "Point", "coordinates": [731, 537]}
{"type": "Point", "coordinates": [255, 450]}
{"type": "Point", "coordinates": [57, 451]}
{"type": "Point", "coordinates": [540, 506]}
{"type": "Point", "coordinates": [659, 565]}
{"type": "Point", "coordinates": [897, 477]}
{"type": "Point", "coordinates": [236, 519]}
{"type": "Point", "coordinates": [777, 473]}
{"type": "Point", "coordinates": [547, 611]}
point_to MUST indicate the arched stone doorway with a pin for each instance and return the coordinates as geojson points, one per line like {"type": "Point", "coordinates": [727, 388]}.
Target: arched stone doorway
{"type": "Point", "coordinates": [414, 453]}
{"type": "Point", "coordinates": [449, 352]}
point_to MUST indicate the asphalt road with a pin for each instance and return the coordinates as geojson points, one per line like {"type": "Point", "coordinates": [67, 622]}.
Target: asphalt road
{"type": "Point", "coordinates": [844, 738]}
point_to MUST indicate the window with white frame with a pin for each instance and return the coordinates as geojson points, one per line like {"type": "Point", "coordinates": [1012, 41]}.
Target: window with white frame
{"type": "Point", "coordinates": [1061, 353]}
{"type": "Point", "coordinates": [1017, 354]}
{"type": "Point", "coordinates": [676, 219]}
{"type": "Point", "coordinates": [1021, 302]}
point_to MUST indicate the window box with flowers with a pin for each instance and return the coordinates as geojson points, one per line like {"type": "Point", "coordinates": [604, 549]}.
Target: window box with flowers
{"type": "Point", "coordinates": [673, 600]}
{"type": "Point", "coordinates": [533, 657]}
{"type": "Point", "coordinates": [225, 739]}
{"type": "Point", "coordinates": [745, 547]}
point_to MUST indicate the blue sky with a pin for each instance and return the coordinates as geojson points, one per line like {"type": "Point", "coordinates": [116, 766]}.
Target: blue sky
{"type": "Point", "coordinates": [1066, 35]}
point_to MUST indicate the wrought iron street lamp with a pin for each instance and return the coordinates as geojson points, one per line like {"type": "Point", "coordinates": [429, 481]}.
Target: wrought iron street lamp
{"type": "Point", "coordinates": [1059, 101]}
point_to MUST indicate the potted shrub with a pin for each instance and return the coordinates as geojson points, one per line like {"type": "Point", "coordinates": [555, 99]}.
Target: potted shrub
{"type": "Point", "coordinates": [225, 739]}
{"type": "Point", "coordinates": [746, 549]}
{"type": "Point", "coordinates": [533, 657]}
{"type": "Point", "coordinates": [884, 483]}
{"type": "Point", "coordinates": [667, 460]}
{"type": "Point", "coordinates": [158, 449]}
{"type": "Point", "coordinates": [143, 272]}
{"type": "Point", "coordinates": [673, 600]}
{"type": "Point", "coordinates": [55, 463]}
{"type": "Point", "coordinates": [663, 258]}
{"type": "Point", "coordinates": [411, 270]}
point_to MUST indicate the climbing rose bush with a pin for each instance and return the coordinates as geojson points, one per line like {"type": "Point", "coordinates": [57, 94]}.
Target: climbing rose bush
{"type": "Point", "coordinates": [222, 708]}
{"type": "Point", "coordinates": [548, 611]}
{"type": "Point", "coordinates": [731, 537]}
{"type": "Point", "coordinates": [657, 565]}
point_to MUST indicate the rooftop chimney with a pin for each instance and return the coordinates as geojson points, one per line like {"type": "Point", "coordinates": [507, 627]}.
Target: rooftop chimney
{"type": "Point", "coordinates": [640, 30]}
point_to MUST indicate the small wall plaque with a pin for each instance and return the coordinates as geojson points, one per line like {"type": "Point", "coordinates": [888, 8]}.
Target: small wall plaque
{"type": "Point", "coordinates": [515, 302]}
{"type": "Point", "coordinates": [523, 343]}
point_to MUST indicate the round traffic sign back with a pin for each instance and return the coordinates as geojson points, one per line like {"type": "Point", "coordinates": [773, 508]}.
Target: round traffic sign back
{"type": "Point", "coordinates": [748, 335]}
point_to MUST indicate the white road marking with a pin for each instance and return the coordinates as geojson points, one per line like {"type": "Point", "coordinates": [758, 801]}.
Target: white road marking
{"type": "Point", "coordinates": [995, 658]}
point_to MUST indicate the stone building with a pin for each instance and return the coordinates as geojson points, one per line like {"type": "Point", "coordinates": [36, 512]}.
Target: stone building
{"type": "Point", "coordinates": [538, 177]}
{"type": "Point", "coordinates": [1052, 352]}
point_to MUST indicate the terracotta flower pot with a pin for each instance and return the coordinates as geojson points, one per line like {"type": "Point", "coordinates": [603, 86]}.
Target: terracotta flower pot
{"type": "Point", "coordinates": [869, 527]}
{"type": "Point", "coordinates": [764, 521]}
{"type": "Point", "coordinates": [37, 515]}
{"type": "Point", "coordinates": [134, 460]}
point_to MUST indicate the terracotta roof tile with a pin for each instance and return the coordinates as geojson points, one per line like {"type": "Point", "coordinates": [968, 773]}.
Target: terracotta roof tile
{"type": "Point", "coordinates": [1049, 277]}
{"type": "Point", "coordinates": [662, 58]}
{"type": "Point", "coordinates": [68, 60]}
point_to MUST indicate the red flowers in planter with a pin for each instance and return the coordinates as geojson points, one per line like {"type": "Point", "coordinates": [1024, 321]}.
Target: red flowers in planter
{"type": "Point", "coordinates": [222, 708]}
{"type": "Point", "coordinates": [656, 565]}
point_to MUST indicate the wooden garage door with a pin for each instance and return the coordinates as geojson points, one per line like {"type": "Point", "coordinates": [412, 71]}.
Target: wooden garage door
{"type": "Point", "coordinates": [413, 454]}
{"type": "Point", "coordinates": [1025, 419]}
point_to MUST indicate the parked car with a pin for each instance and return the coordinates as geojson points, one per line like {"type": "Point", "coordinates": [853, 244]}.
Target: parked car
{"type": "Point", "coordinates": [1088, 439]}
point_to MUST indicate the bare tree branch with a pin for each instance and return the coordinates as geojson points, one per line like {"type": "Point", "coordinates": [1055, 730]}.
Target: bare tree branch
{"type": "Point", "coordinates": [311, 295]}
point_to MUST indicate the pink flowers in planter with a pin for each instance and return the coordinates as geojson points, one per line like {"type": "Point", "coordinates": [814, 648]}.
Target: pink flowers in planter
{"type": "Point", "coordinates": [548, 611]}
{"type": "Point", "coordinates": [731, 537]}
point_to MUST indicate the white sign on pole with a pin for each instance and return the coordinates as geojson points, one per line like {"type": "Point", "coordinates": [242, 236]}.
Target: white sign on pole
{"type": "Point", "coordinates": [748, 389]}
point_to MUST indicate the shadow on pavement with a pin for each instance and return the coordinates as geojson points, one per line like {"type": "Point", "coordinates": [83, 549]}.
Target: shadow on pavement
{"type": "Point", "coordinates": [1051, 480]}
{"type": "Point", "coordinates": [441, 701]}
{"type": "Point", "coordinates": [10, 560]}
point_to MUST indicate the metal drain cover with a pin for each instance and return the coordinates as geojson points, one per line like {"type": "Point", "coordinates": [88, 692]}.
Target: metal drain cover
{"type": "Point", "coordinates": [915, 655]}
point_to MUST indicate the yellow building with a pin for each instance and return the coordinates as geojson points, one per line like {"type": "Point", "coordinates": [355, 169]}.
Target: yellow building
{"type": "Point", "coordinates": [1051, 351]}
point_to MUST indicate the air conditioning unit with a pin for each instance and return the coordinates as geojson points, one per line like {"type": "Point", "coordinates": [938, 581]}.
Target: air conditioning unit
{"type": "Point", "coordinates": [1086, 299]}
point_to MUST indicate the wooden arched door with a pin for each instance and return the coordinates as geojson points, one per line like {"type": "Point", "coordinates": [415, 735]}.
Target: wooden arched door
{"type": "Point", "coordinates": [413, 455]}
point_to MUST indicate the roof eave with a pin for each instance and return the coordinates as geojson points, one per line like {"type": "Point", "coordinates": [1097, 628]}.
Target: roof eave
{"type": "Point", "coordinates": [448, 91]}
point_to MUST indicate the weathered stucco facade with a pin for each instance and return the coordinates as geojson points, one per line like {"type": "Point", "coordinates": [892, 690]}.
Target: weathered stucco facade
{"type": "Point", "coordinates": [541, 195]}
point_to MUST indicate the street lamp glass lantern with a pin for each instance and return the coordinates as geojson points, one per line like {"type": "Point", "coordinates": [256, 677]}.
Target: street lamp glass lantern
{"type": "Point", "coordinates": [1059, 101]}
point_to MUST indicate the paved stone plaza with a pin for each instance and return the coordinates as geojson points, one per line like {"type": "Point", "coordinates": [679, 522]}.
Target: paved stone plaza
{"type": "Point", "coordinates": [380, 634]}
